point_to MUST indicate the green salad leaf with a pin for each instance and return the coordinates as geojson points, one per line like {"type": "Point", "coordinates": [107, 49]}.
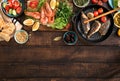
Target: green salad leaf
{"type": "Point", "coordinates": [115, 3]}
{"type": "Point", "coordinates": [41, 2]}
{"type": "Point", "coordinates": [64, 12]}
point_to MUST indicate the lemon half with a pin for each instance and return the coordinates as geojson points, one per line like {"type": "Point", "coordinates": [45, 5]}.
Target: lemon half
{"type": "Point", "coordinates": [36, 26]}
{"type": "Point", "coordinates": [53, 4]}
{"type": "Point", "coordinates": [28, 22]}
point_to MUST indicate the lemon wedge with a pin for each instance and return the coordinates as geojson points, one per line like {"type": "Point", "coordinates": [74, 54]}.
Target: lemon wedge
{"type": "Point", "coordinates": [28, 22]}
{"type": "Point", "coordinates": [36, 26]}
{"type": "Point", "coordinates": [53, 4]}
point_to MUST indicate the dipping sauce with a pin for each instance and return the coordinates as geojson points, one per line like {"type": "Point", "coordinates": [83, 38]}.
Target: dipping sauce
{"type": "Point", "coordinates": [117, 19]}
{"type": "Point", "coordinates": [21, 36]}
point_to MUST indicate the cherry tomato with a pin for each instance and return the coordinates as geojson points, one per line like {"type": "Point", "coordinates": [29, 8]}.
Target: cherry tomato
{"type": "Point", "coordinates": [33, 4]}
{"type": "Point", "coordinates": [100, 10]}
{"type": "Point", "coordinates": [68, 26]}
{"type": "Point", "coordinates": [100, 3]}
{"type": "Point", "coordinates": [104, 1]}
{"type": "Point", "coordinates": [103, 19]}
{"type": "Point", "coordinates": [7, 8]}
{"type": "Point", "coordinates": [16, 4]}
{"type": "Point", "coordinates": [18, 10]}
{"type": "Point", "coordinates": [10, 4]}
{"type": "Point", "coordinates": [94, 1]}
{"type": "Point", "coordinates": [9, 0]}
{"type": "Point", "coordinates": [95, 13]}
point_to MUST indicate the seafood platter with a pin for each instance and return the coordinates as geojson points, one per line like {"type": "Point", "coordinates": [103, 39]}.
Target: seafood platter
{"type": "Point", "coordinates": [18, 17]}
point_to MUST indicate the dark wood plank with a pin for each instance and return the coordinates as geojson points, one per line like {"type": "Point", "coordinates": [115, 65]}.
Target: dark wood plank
{"type": "Point", "coordinates": [61, 79]}
{"type": "Point", "coordinates": [46, 38]}
{"type": "Point", "coordinates": [92, 54]}
{"type": "Point", "coordinates": [60, 70]}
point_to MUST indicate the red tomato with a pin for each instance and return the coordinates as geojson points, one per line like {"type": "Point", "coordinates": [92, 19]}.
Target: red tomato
{"type": "Point", "coordinates": [16, 4]}
{"type": "Point", "coordinates": [95, 13]}
{"type": "Point", "coordinates": [33, 4]}
{"type": "Point", "coordinates": [10, 4]}
{"type": "Point", "coordinates": [104, 1]}
{"type": "Point", "coordinates": [18, 10]}
{"type": "Point", "coordinates": [94, 1]}
{"type": "Point", "coordinates": [103, 19]}
{"type": "Point", "coordinates": [9, 0]}
{"type": "Point", "coordinates": [100, 10]}
{"type": "Point", "coordinates": [68, 26]}
{"type": "Point", "coordinates": [100, 3]}
{"type": "Point", "coordinates": [7, 8]}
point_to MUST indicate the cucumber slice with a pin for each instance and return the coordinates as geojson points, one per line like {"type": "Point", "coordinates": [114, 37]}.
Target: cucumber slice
{"type": "Point", "coordinates": [14, 12]}
{"type": "Point", "coordinates": [10, 11]}
{"type": "Point", "coordinates": [4, 4]}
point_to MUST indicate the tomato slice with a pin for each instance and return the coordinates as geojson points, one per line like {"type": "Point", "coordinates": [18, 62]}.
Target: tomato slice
{"type": "Point", "coordinates": [18, 10]}
{"type": "Point", "coordinates": [10, 4]}
{"type": "Point", "coordinates": [16, 4]}
{"type": "Point", "coordinates": [7, 8]}
{"type": "Point", "coordinates": [33, 4]}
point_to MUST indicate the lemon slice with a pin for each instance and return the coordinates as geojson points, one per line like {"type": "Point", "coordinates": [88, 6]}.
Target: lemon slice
{"type": "Point", "coordinates": [36, 26]}
{"type": "Point", "coordinates": [53, 4]}
{"type": "Point", "coordinates": [28, 22]}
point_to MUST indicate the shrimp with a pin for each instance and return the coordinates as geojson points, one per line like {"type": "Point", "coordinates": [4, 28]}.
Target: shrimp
{"type": "Point", "coordinates": [35, 15]}
{"type": "Point", "coordinates": [51, 19]}
{"type": "Point", "coordinates": [48, 10]}
{"type": "Point", "coordinates": [42, 12]}
{"type": "Point", "coordinates": [44, 20]}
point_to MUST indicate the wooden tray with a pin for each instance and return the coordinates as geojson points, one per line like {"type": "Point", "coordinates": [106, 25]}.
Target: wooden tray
{"type": "Point", "coordinates": [42, 28]}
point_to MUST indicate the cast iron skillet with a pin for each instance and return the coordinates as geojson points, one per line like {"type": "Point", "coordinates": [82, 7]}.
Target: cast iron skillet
{"type": "Point", "coordinates": [78, 26]}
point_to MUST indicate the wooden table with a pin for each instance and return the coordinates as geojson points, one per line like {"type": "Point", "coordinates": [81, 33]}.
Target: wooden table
{"type": "Point", "coordinates": [42, 59]}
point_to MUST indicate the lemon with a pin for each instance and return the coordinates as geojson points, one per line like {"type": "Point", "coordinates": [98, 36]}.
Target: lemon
{"type": "Point", "coordinates": [119, 3]}
{"type": "Point", "coordinates": [28, 22]}
{"type": "Point", "coordinates": [36, 26]}
{"type": "Point", "coordinates": [57, 3]}
{"type": "Point", "coordinates": [53, 4]}
{"type": "Point", "coordinates": [118, 32]}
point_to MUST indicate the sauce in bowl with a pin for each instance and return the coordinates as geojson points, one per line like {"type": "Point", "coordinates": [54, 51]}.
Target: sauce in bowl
{"type": "Point", "coordinates": [81, 3]}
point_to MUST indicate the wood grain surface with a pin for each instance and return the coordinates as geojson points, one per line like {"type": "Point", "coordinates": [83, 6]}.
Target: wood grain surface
{"type": "Point", "coordinates": [42, 59]}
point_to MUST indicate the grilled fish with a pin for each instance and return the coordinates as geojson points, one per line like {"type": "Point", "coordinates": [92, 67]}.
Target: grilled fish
{"type": "Point", "coordinates": [94, 28]}
{"type": "Point", "coordinates": [86, 27]}
{"type": "Point", "coordinates": [104, 28]}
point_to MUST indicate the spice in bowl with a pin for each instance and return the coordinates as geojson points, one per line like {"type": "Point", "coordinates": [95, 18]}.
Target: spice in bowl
{"type": "Point", "coordinates": [70, 38]}
{"type": "Point", "coordinates": [21, 36]}
{"type": "Point", "coordinates": [117, 19]}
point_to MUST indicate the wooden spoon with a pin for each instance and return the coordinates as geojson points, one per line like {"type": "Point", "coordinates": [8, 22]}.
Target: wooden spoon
{"type": "Point", "coordinates": [104, 14]}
